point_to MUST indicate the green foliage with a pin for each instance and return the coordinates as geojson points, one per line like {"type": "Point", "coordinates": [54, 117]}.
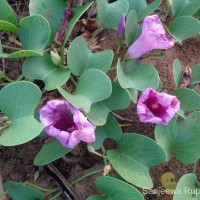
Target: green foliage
{"type": "Point", "coordinates": [137, 76]}
{"type": "Point", "coordinates": [185, 7]}
{"type": "Point", "coordinates": [86, 92]}
{"type": "Point", "coordinates": [18, 102]}
{"type": "Point", "coordinates": [110, 130]}
{"type": "Point", "coordinates": [178, 28]}
{"type": "Point", "coordinates": [133, 158]}
{"type": "Point", "coordinates": [118, 100]}
{"type": "Point", "coordinates": [21, 192]}
{"type": "Point", "coordinates": [132, 28]}
{"type": "Point", "coordinates": [187, 188]}
{"type": "Point", "coordinates": [177, 72]}
{"type": "Point", "coordinates": [43, 69]}
{"type": "Point", "coordinates": [115, 189]}
{"type": "Point", "coordinates": [109, 14]}
{"type": "Point", "coordinates": [182, 137]}
{"type": "Point", "coordinates": [189, 99]}
{"type": "Point", "coordinates": [80, 58]}
{"type": "Point", "coordinates": [50, 152]}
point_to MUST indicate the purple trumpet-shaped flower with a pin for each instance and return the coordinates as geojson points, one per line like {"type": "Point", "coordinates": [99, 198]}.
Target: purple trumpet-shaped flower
{"type": "Point", "coordinates": [63, 121]}
{"type": "Point", "coordinates": [121, 27]}
{"type": "Point", "coordinates": [157, 108]}
{"type": "Point", "coordinates": [153, 37]}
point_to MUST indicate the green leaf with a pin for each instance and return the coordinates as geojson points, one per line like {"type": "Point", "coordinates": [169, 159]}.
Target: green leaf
{"type": "Point", "coordinates": [7, 14]}
{"type": "Point", "coordinates": [115, 189]}
{"type": "Point", "coordinates": [118, 100]}
{"type": "Point", "coordinates": [138, 6]}
{"type": "Point", "coordinates": [135, 155]}
{"type": "Point", "coordinates": [50, 152]}
{"type": "Point", "coordinates": [93, 86]}
{"type": "Point", "coordinates": [139, 77]}
{"type": "Point", "coordinates": [42, 68]}
{"type": "Point", "coordinates": [132, 28]}
{"type": "Point", "coordinates": [53, 12]}
{"type": "Point", "coordinates": [149, 9]}
{"type": "Point", "coordinates": [189, 99]}
{"type": "Point", "coordinates": [110, 130]}
{"type": "Point", "coordinates": [182, 138]}
{"type": "Point", "coordinates": [178, 30]}
{"type": "Point", "coordinates": [7, 26]}
{"type": "Point", "coordinates": [177, 72]}
{"type": "Point", "coordinates": [133, 94]}
{"type": "Point", "coordinates": [80, 57]}
{"type": "Point", "coordinates": [77, 13]}
{"type": "Point", "coordinates": [34, 33]}
{"type": "Point", "coordinates": [109, 14]}
{"type": "Point", "coordinates": [18, 101]}
{"type": "Point", "coordinates": [187, 188]}
{"type": "Point", "coordinates": [20, 54]}
{"type": "Point", "coordinates": [22, 192]}
{"type": "Point", "coordinates": [185, 7]}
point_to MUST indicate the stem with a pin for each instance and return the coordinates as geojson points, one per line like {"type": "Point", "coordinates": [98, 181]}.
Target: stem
{"type": "Point", "coordinates": [20, 78]}
{"type": "Point", "coordinates": [117, 52]}
{"type": "Point", "coordinates": [86, 175]}
{"type": "Point", "coordinates": [7, 78]}
{"type": "Point", "coordinates": [73, 81]}
{"type": "Point", "coordinates": [195, 167]}
{"type": "Point", "coordinates": [42, 189]}
{"type": "Point", "coordinates": [120, 117]}
{"type": "Point", "coordinates": [13, 48]}
{"type": "Point", "coordinates": [167, 13]}
{"type": "Point", "coordinates": [104, 153]}
{"type": "Point", "coordinates": [96, 32]}
{"type": "Point", "coordinates": [55, 196]}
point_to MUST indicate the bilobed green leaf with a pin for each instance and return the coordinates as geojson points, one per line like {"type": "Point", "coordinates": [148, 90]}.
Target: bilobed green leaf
{"type": "Point", "coordinates": [139, 77]}
{"type": "Point", "coordinates": [18, 101]}
{"type": "Point", "coordinates": [133, 158]}
{"type": "Point", "coordinates": [187, 188]}
{"type": "Point", "coordinates": [182, 137]}
{"type": "Point", "coordinates": [189, 99]}
{"type": "Point", "coordinates": [109, 14]}
{"type": "Point", "coordinates": [42, 68]}
{"type": "Point", "coordinates": [7, 26]}
{"type": "Point", "coordinates": [178, 28]}
{"type": "Point", "coordinates": [93, 86]}
{"type": "Point", "coordinates": [34, 33]}
{"type": "Point", "coordinates": [110, 130]}
{"type": "Point", "coordinates": [7, 14]}
{"type": "Point", "coordinates": [115, 189]}
{"type": "Point", "coordinates": [185, 7]}
{"type": "Point", "coordinates": [133, 94]}
{"type": "Point", "coordinates": [132, 28]}
{"type": "Point", "coordinates": [80, 58]}
{"type": "Point", "coordinates": [118, 100]}
{"type": "Point", "coordinates": [177, 72]}
{"type": "Point", "coordinates": [50, 152]}
{"type": "Point", "coordinates": [22, 192]}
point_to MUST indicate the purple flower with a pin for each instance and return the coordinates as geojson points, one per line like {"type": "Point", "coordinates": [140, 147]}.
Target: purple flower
{"type": "Point", "coordinates": [63, 121]}
{"type": "Point", "coordinates": [153, 37]}
{"type": "Point", "coordinates": [121, 27]}
{"type": "Point", "coordinates": [157, 108]}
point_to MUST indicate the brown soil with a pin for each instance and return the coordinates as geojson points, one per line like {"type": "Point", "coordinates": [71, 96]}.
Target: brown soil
{"type": "Point", "coordinates": [16, 163]}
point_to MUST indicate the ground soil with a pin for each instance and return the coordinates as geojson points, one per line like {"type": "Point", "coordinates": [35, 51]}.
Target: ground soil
{"type": "Point", "coordinates": [16, 163]}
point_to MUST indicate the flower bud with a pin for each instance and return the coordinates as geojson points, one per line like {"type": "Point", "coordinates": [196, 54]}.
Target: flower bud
{"type": "Point", "coordinates": [55, 58]}
{"type": "Point", "coordinates": [121, 27]}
